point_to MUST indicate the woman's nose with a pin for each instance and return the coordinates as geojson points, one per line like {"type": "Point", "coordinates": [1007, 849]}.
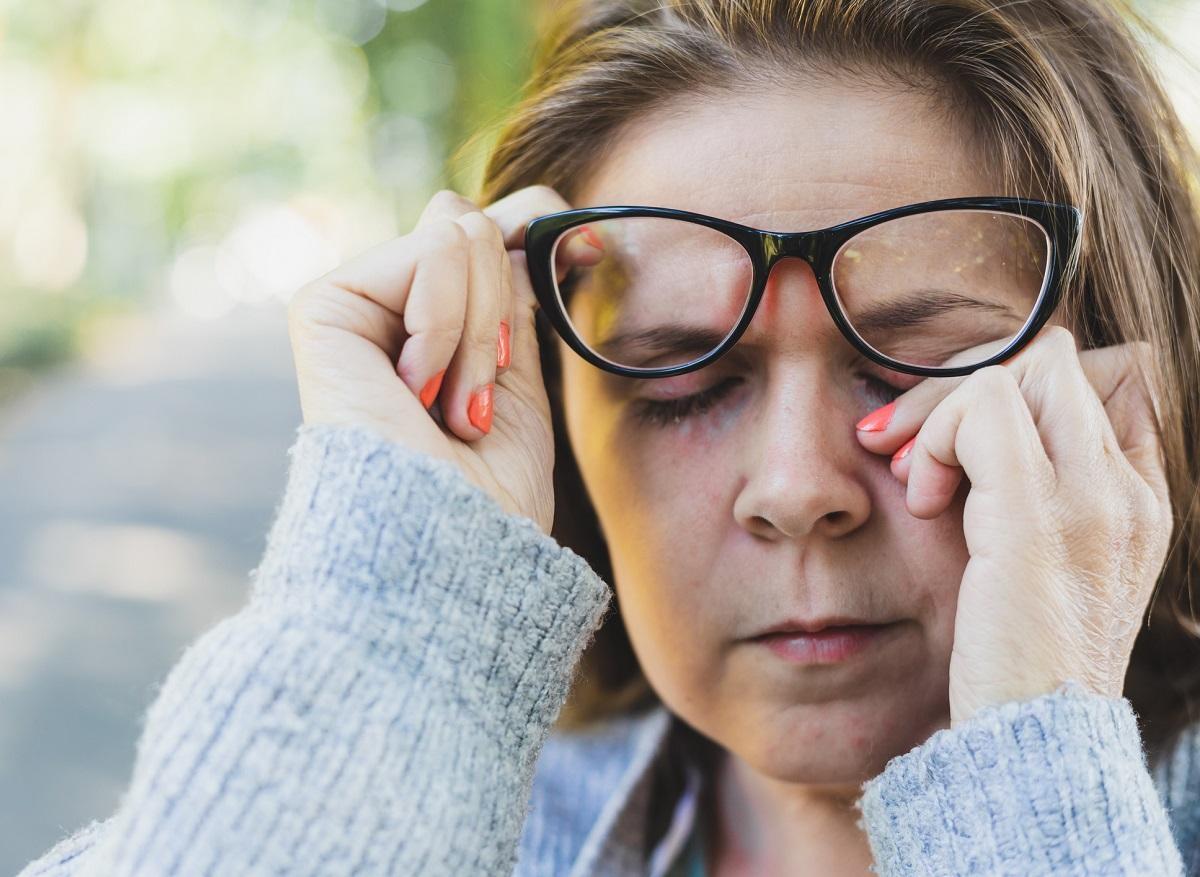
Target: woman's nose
{"type": "Point", "coordinates": [802, 463]}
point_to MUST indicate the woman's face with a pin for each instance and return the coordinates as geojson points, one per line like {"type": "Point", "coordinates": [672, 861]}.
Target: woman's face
{"type": "Point", "coordinates": [765, 507]}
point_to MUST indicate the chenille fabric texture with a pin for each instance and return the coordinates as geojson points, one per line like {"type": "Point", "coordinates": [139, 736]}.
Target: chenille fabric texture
{"type": "Point", "coordinates": [382, 704]}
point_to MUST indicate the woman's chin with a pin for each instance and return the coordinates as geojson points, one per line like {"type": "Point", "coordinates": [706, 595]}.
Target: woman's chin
{"type": "Point", "coordinates": [838, 742]}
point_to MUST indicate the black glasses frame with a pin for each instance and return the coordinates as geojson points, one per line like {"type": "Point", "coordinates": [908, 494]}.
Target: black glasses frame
{"type": "Point", "coordinates": [1061, 222]}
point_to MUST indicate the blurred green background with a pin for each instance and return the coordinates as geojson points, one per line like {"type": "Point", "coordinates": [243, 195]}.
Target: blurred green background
{"type": "Point", "coordinates": [220, 152]}
{"type": "Point", "coordinates": [170, 172]}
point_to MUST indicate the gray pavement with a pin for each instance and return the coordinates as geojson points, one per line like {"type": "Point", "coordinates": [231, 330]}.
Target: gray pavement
{"type": "Point", "coordinates": [137, 485]}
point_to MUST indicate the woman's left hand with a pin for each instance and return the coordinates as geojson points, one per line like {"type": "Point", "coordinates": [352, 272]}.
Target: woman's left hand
{"type": "Point", "coordinates": [1067, 520]}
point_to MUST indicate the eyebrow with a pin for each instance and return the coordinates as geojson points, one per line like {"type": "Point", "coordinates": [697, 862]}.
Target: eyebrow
{"type": "Point", "coordinates": [670, 337]}
{"type": "Point", "coordinates": [923, 306]}
{"type": "Point", "coordinates": [899, 314]}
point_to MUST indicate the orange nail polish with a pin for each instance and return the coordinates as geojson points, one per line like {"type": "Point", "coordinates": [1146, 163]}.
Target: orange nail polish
{"type": "Point", "coordinates": [502, 349]}
{"type": "Point", "coordinates": [591, 237]}
{"type": "Point", "coordinates": [479, 412]}
{"type": "Point", "coordinates": [904, 449]}
{"type": "Point", "coordinates": [878, 420]}
{"type": "Point", "coordinates": [430, 390]}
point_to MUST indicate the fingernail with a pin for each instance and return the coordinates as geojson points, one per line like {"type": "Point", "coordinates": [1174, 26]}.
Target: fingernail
{"type": "Point", "coordinates": [479, 412]}
{"type": "Point", "coordinates": [878, 419]}
{"type": "Point", "coordinates": [430, 390]}
{"type": "Point", "coordinates": [502, 349]}
{"type": "Point", "coordinates": [904, 449]}
{"type": "Point", "coordinates": [590, 236]}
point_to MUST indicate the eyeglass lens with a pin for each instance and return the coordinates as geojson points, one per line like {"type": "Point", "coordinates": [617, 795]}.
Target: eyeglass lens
{"type": "Point", "coordinates": [931, 289]}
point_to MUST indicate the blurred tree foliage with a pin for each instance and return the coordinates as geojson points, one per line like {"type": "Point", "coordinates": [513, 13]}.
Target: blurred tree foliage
{"type": "Point", "coordinates": [142, 135]}
{"type": "Point", "coordinates": [490, 42]}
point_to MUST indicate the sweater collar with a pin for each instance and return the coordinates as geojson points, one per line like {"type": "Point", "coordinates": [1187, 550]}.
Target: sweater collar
{"type": "Point", "coordinates": [617, 840]}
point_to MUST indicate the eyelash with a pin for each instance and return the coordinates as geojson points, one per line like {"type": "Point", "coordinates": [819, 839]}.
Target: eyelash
{"type": "Point", "coordinates": [664, 412]}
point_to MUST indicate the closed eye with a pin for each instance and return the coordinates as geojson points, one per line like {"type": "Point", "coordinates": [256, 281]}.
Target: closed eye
{"type": "Point", "coordinates": [664, 412]}
{"type": "Point", "coordinates": [667, 412]}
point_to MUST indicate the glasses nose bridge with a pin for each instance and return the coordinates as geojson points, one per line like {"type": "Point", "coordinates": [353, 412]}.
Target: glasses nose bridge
{"type": "Point", "coordinates": [800, 245]}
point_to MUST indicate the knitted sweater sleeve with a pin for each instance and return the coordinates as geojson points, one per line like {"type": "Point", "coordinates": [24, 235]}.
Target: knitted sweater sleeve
{"type": "Point", "coordinates": [378, 705]}
{"type": "Point", "coordinates": [1054, 785]}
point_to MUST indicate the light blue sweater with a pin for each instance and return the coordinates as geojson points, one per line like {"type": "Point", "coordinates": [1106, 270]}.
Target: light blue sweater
{"type": "Point", "coordinates": [383, 704]}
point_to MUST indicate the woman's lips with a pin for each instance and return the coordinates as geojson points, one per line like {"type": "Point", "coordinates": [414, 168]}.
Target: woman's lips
{"type": "Point", "coordinates": [827, 646]}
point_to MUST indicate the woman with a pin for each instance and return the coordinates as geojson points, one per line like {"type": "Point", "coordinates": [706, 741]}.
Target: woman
{"type": "Point", "coordinates": [955, 566]}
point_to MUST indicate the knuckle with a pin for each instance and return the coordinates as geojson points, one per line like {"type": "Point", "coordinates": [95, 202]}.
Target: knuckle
{"type": "Point", "coordinates": [1053, 344]}
{"type": "Point", "coordinates": [481, 336]}
{"type": "Point", "coordinates": [995, 379]}
{"type": "Point", "coordinates": [448, 198]}
{"type": "Point", "coordinates": [479, 226]}
{"type": "Point", "coordinates": [299, 299]}
{"type": "Point", "coordinates": [443, 234]}
{"type": "Point", "coordinates": [1061, 338]}
{"type": "Point", "coordinates": [303, 304]}
{"type": "Point", "coordinates": [443, 336]}
{"type": "Point", "coordinates": [319, 309]}
{"type": "Point", "coordinates": [549, 193]}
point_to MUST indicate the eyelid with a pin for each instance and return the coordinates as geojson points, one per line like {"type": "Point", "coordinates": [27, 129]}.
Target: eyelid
{"type": "Point", "coordinates": [657, 412]}
{"type": "Point", "coordinates": [700, 381]}
{"type": "Point", "coordinates": [675, 388]}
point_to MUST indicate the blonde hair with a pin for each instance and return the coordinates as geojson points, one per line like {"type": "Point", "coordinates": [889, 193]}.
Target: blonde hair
{"type": "Point", "coordinates": [1062, 98]}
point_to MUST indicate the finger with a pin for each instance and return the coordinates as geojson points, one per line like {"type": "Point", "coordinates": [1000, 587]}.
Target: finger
{"type": "Point", "coordinates": [1074, 429]}
{"type": "Point", "coordinates": [1069, 421]}
{"type": "Point", "coordinates": [525, 302]}
{"type": "Point", "coordinates": [445, 204]}
{"type": "Point", "coordinates": [888, 429]}
{"type": "Point", "coordinates": [370, 294]}
{"type": "Point", "coordinates": [469, 388]}
{"type": "Point", "coordinates": [1041, 367]}
{"type": "Point", "coordinates": [436, 310]}
{"type": "Point", "coordinates": [433, 317]}
{"type": "Point", "coordinates": [514, 211]}
{"type": "Point", "coordinates": [578, 246]}
{"type": "Point", "coordinates": [938, 482]}
{"type": "Point", "coordinates": [1088, 407]}
{"type": "Point", "coordinates": [507, 309]}
{"type": "Point", "coordinates": [1054, 373]}
{"type": "Point", "coordinates": [582, 246]}
{"type": "Point", "coordinates": [985, 428]}
{"type": "Point", "coordinates": [432, 356]}
{"type": "Point", "coordinates": [526, 365]}
{"type": "Point", "coordinates": [1065, 391]}
{"type": "Point", "coordinates": [1123, 376]}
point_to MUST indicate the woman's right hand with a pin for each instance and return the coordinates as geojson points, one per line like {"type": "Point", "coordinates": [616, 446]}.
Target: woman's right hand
{"type": "Point", "coordinates": [406, 338]}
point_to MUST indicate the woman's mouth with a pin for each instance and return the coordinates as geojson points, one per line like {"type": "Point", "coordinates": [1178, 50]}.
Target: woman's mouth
{"type": "Point", "coordinates": [827, 646]}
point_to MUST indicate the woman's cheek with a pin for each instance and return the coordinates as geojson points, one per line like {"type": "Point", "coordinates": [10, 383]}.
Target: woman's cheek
{"type": "Point", "coordinates": [935, 553]}
{"type": "Point", "coordinates": [679, 466]}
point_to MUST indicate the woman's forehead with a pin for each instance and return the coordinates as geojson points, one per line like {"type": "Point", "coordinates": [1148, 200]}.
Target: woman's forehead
{"type": "Point", "coordinates": [788, 161]}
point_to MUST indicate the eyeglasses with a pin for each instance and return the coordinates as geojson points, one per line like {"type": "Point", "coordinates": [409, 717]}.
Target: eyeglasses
{"type": "Point", "coordinates": [938, 288]}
